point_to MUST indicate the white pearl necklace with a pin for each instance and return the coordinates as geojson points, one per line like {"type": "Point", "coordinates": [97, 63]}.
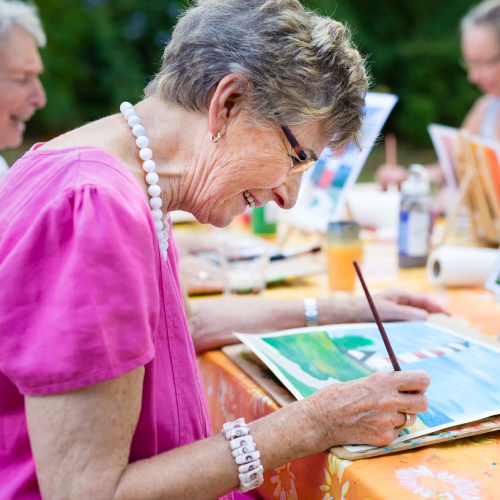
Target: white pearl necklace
{"type": "Point", "coordinates": [149, 166]}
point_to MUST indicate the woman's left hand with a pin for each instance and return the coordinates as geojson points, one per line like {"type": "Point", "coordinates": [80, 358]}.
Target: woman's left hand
{"type": "Point", "coordinates": [396, 304]}
{"type": "Point", "coordinates": [214, 319]}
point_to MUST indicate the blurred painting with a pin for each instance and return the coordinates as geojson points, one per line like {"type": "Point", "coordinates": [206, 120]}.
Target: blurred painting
{"type": "Point", "coordinates": [324, 189]}
{"type": "Point", "coordinates": [445, 142]}
{"type": "Point", "coordinates": [487, 152]}
{"type": "Point", "coordinates": [464, 372]}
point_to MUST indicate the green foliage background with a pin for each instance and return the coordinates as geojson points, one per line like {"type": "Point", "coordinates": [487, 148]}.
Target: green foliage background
{"type": "Point", "coordinates": [101, 52]}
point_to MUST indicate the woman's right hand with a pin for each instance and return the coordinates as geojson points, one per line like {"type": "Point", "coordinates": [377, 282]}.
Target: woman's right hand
{"type": "Point", "coordinates": [367, 410]}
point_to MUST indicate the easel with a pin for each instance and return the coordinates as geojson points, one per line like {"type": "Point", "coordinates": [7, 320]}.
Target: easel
{"type": "Point", "coordinates": [476, 190]}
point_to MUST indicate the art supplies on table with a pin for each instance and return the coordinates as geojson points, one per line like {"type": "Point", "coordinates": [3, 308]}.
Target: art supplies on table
{"type": "Point", "coordinates": [324, 190]}
{"type": "Point", "coordinates": [385, 339]}
{"type": "Point", "coordinates": [463, 365]}
{"type": "Point", "coordinates": [292, 268]}
{"type": "Point", "coordinates": [375, 209]}
{"type": "Point", "coordinates": [343, 246]}
{"type": "Point", "coordinates": [244, 266]}
{"type": "Point", "coordinates": [265, 219]}
{"type": "Point", "coordinates": [285, 264]}
{"type": "Point", "coordinates": [414, 219]}
{"type": "Point", "coordinates": [460, 266]}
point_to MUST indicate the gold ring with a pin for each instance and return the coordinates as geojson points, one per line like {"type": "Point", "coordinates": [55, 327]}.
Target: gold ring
{"type": "Point", "coordinates": [407, 423]}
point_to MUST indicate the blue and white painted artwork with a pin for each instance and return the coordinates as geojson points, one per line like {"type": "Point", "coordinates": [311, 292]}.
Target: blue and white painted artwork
{"type": "Point", "coordinates": [465, 373]}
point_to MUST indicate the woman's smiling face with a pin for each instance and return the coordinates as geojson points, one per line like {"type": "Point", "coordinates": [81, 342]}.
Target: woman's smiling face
{"type": "Point", "coordinates": [252, 161]}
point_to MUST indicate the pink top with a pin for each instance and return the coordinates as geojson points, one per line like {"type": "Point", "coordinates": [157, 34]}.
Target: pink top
{"type": "Point", "coordinates": [85, 296]}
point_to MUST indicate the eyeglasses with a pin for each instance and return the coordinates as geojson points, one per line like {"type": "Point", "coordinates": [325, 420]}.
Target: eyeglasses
{"type": "Point", "coordinates": [302, 163]}
{"type": "Point", "coordinates": [468, 65]}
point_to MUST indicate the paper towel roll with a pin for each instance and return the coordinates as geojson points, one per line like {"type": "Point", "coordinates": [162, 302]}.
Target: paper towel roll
{"type": "Point", "coordinates": [460, 266]}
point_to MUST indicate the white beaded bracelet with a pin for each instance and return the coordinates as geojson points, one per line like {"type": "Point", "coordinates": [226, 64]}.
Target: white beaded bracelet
{"type": "Point", "coordinates": [245, 454]}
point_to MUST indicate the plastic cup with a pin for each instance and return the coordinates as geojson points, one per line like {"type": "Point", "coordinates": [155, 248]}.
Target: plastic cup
{"type": "Point", "coordinates": [343, 247]}
{"type": "Point", "coordinates": [244, 265]}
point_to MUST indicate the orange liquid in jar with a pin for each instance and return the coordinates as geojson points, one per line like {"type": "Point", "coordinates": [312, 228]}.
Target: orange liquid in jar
{"type": "Point", "coordinates": [341, 272]}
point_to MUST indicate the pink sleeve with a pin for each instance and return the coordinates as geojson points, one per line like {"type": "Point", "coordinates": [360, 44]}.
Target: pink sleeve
{"type": "Point", "coordinates": [79, 299]}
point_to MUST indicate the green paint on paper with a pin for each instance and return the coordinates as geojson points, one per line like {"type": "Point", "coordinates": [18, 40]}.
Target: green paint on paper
{"type": "Point", "coordinates": [321, 357]}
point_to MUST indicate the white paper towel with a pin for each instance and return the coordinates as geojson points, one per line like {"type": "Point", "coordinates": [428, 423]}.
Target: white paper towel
{"type": "Point", "coordinates": [375, 209]}
{"type": "Point", "coordinates": [460, 266]}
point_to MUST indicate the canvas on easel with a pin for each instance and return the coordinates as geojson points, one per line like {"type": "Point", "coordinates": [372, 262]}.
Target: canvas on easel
{"type": "Point", "coordinates": [471, 166]}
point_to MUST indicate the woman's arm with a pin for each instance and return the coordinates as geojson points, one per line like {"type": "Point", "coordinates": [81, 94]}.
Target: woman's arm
{"type": "Point", "coordinates": [213, 321]}
{"type": "Point", "coordinates": [396, 174]}
{"type": "Point", "coordinates": [81, 439]}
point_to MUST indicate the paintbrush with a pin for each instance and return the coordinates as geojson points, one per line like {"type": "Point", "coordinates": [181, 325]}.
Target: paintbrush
{"type": "Point", "coordinates": [385, 338]}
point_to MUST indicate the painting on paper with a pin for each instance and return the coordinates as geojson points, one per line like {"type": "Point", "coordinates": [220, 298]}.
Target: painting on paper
{"type": "Point", "coordinates": [464, 372]}
{"type": "Point", "coordinates": [445, 142]}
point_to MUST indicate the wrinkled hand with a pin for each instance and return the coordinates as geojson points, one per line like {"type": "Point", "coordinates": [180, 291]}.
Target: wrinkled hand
{"type": "Point", "coordinates": [367, 410]}
{"type": "Point", "coordinates": [391, 174]}
{"type": "Point", "coordinates": [396, 304]}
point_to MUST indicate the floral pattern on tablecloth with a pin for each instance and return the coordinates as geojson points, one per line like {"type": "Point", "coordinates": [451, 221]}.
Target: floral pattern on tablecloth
{"type": "Point", "coordinates": [284, 479]}
{"type": "Point", "coordinates": [260, 400]}
{"type": "Point", "coordinates": [476, 441]}
{"type": "Point", "coordinates": [336, 468]}
{"type": "Point", "coordinates": [449, 487]}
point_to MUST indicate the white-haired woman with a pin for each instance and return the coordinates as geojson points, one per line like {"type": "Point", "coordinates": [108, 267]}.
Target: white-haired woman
{"type": "Point", "coordinates": [101, 397]}
{"type": "Point", "coordinates": [21, 92]}
{"type": "Point", "coordinates": [481, 57]}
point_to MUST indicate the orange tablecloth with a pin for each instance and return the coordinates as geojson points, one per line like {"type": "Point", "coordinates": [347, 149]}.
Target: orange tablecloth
{"type": "Point", "coordinates": [465, 469]}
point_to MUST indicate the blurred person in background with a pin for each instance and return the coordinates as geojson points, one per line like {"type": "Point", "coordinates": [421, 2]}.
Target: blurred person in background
{"type": "Point", "coordinates": [21, 92]}
{"type": "Point", "coordinates": [480, 30]}
{"type": "Point", "coordinates": [101, 393]}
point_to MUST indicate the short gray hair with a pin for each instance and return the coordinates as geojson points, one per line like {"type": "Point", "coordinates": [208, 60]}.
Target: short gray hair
{"type": "Point", "coordinates": [303, 67]}
{"type": "Point", "coordinates": [24, 16]}
{"type": "Point", "coordinates": [486, 13]}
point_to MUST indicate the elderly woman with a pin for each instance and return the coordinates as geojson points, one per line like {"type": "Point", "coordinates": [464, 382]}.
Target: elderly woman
{"type": "Point", "coordinates": [101, 396]}
{"type": "Point", "coordinates": [481, 57]}
{"type": "Point", "coordinates": [21, 92]}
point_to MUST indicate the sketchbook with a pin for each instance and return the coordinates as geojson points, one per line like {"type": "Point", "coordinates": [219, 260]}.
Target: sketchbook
{"type": "Point", "coordinates": [463, 368]}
